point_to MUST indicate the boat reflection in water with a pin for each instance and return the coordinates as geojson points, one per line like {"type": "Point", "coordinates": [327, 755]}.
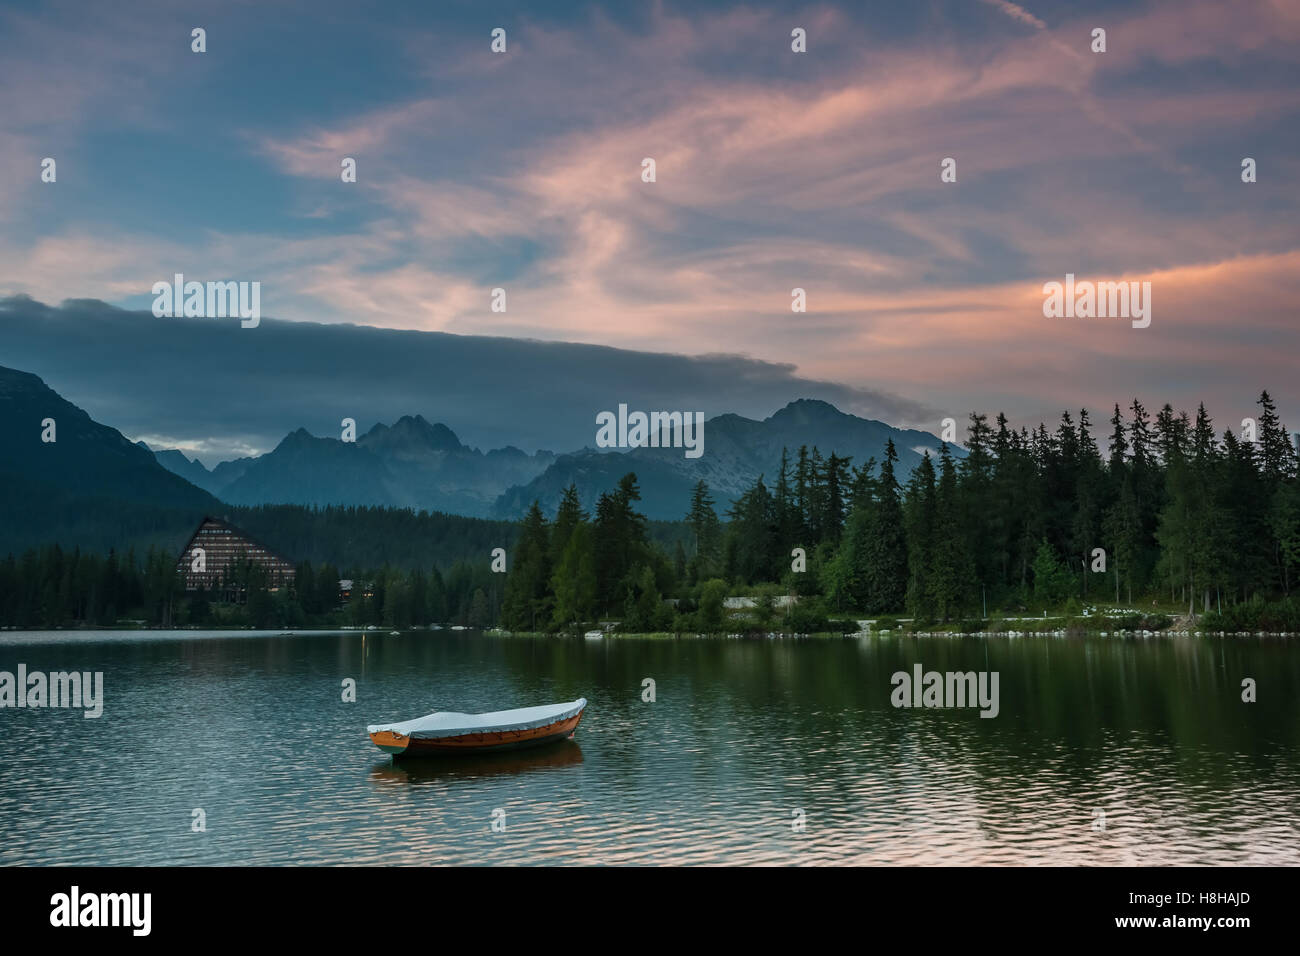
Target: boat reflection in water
{"type": "Point", "coordinates": [566, 753]}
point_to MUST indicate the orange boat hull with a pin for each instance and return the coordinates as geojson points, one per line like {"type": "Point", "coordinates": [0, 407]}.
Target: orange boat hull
{"type": "Point", "coordinates": [400, 746]}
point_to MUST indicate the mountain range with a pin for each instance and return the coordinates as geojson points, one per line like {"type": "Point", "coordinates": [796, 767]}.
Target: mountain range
{"type": "Point", "coordinates": [59, 468]}
{"type": "Point", "coordinates": [409, 464]}
{"type": "Point", "coordinates": [415, 464]}
{"type": "Point", "coordinates": [737, 450]}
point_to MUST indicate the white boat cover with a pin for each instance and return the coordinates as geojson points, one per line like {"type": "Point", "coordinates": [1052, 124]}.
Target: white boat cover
{"type": "Point", "coordinates": [447, 723]}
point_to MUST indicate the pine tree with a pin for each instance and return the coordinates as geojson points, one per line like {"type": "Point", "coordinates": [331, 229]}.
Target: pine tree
{"type": "Point", "coordinates": [480, 611]}
{"type": "Point", "coordinates": [1240, 488]}
{"type": "Point", "coordinates": [752, 536]}
{"type": "Point", "coordinates": [882, 568]}
{"type": "Point", "coordinates": [1147, 488]}
{"type": "Point", "coordinates": [1122, 533]}
{"type": "Point", "coordinates": [527, 600]}
{"type": "Point", "coordinates": [1277, 454]}
{"type": "Point", "coordinates": [1090, 496]}
{"type": "Point", "coordinates": [952, 572]}
{"type": "Point", "coordinates": [1118, 444]}
{"type": "Point", "coordinates": [568, 516]}
{"type": "Point", "coordinates": [789, 523]}
{"type": "Point", "coordinates": [620, 542]}
{"type": "Point", "coordinates": [1285, 520]}
{"type": "Point", "coordinates": [436, 599]}
{"type": "Point", "coordinates": [919, 516]}
{"type": "Point", "coordinates": [815, 514]}
{"type": "Point", "coordinates": [1177, 530]}
{"type": "Point", "coordinates": [1006, 507]}
{"type": "Point", "coordinates": [835, 482]}
{"type": "Point", "coordinates": [574, 581]}
{"type": "Point", "coordinates": [707, 532]}
{"type": "Point", "coordinates": [1053, 582]}
{"type": "Point", "coordinates": [803, 496]}
{"type": "Point", "coordinates": [976, 493]}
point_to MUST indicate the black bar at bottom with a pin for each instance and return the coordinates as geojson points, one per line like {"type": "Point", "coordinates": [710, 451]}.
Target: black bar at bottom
{"type": "Point", "coordinates": [334, 905]}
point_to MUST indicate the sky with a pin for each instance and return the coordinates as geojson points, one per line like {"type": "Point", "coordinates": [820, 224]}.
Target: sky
{"type": "Point", "coordinates": [775, 170]}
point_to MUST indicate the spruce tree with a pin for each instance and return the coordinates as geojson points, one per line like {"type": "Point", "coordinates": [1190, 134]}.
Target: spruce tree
{"type": "Point", "coordinates": [882, 569]}
{"type": "Point", "coordinates": [706, 530]}
{"type": "Point", "coordinates": [919, 515]}
{"type": "Point", "coordinates": [952, 572]}
{"type": "Point", "coordinates": [527, 601]}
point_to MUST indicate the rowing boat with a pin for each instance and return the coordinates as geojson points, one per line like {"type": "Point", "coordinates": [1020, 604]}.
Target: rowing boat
{"type": "Point", "coordinates": [446, 732]}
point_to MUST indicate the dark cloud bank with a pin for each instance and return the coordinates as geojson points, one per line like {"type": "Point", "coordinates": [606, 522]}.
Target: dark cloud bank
{"type": "Point", "coordinates": [209, 381]}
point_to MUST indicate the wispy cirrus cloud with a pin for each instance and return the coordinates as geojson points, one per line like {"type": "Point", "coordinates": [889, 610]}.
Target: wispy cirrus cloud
{"type": "Point", "coordinates": [778, 170]}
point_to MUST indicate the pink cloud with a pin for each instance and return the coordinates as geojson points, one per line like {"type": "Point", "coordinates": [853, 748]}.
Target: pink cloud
{"type": "Point", "coordinates": [772, 179]}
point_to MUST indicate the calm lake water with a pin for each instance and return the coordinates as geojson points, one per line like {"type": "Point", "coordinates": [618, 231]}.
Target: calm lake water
{"type": "Point", "coordinates": [252, 729]}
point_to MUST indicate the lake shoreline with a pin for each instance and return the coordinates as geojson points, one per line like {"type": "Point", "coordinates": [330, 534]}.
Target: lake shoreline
{"type": "Point", "coordinates": [865, 628]}
{"type": "Point", "coordinates": [668, 635]}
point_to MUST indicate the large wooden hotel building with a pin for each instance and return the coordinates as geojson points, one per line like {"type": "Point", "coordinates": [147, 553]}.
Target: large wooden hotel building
{"type": "Point", "coordinates": [212, 560]}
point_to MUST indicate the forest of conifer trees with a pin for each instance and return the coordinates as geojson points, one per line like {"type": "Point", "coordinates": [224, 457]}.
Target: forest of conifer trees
{"type": "Point", "coordinates": [1172, 515]}
{"type": "Point", "coordinates": [52, 587]}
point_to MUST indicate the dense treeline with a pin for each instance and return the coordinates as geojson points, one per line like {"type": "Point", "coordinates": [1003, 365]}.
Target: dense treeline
{"type": "Point", "coordinates": [1026, 521]}
{"type": "Point", "coordinates": [368, 537]}
{"type": "Point", "coordinates": [408, 568]}
{"type": "Point", "coordinates": [374, 537]}
{"type": "Point", "coordinates": [357, 536]}
{"type": "Point", "coordinates": [51, 587]}
{"type": "Point", "coordinates": [371, 537]}
{"type": "Point", "coordinates": [467, 594]}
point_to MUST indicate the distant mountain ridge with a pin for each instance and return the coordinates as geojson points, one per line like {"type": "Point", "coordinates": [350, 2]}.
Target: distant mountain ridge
{"type": "Point", "coordinates": [409, 464]}
{"type": "Point", "coordinates": [737, 450]}
{"type": "Point", "coordinates": [89, 474]}
{"type": "Point", "coordinates": [413, 463]}
{"type": "Point", "coordinates": [83, 457]}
